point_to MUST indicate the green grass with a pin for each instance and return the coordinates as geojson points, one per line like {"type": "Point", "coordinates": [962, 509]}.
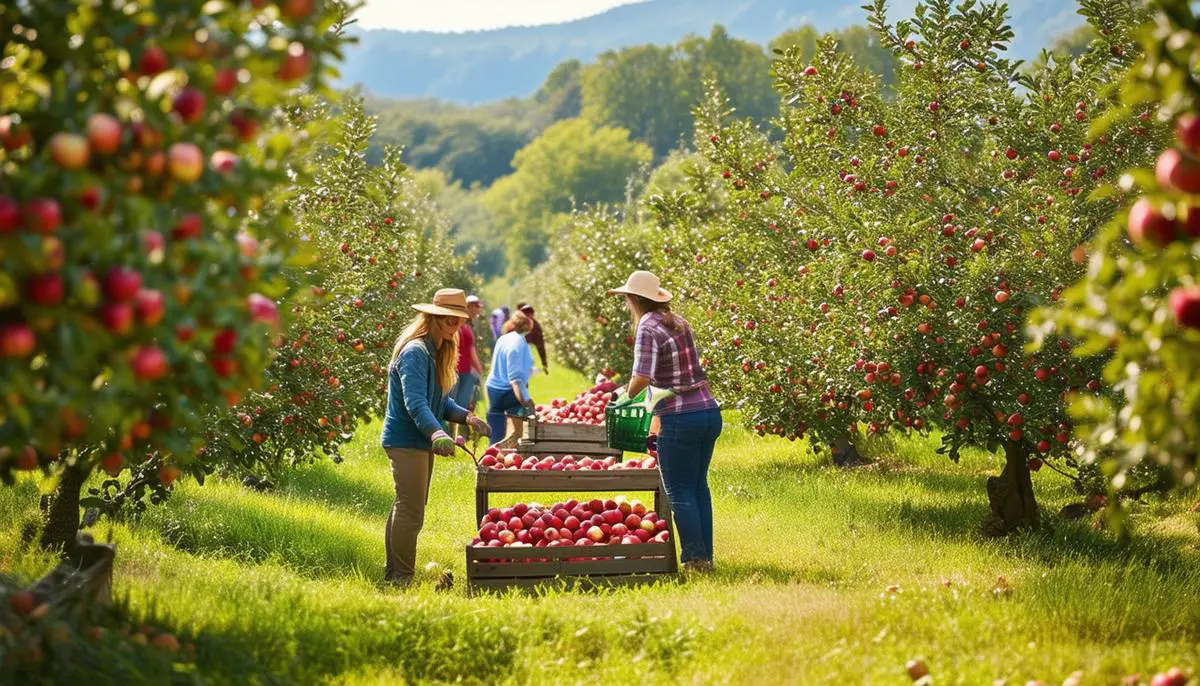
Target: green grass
{"type": "Point", "coordinates": [284, 585]}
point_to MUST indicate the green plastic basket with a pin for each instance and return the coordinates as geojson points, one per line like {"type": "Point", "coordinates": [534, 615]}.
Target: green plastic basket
{"type": "Point", "coordinates": [628, 426]}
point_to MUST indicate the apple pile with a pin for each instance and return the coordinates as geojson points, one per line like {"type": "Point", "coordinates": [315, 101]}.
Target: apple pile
{"type": "Point", "coordinates": [616, 521]}
{"type": "Point", "coordinates": [494, 458]}
{"type": "Point", "coordinates": [587, 407]}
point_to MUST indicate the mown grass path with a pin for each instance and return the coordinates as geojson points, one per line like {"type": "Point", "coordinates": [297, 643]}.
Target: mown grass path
{"type": "Point", "coordinates": [284, 585]}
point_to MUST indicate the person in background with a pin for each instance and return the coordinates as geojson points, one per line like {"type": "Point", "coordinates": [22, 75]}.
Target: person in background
{"type": "Point", "coordinates": [499, 317]}
{"type": "Point", "coordinates": [665, 357]}
{"type": "Point", "coordinates": [470, 369]}
{"type": "Point", "coordinates": [508, 382]}
{"type": "Point", "coordinates": [535, 337]}
{"type": "Point", "coordinates": [421, 371]}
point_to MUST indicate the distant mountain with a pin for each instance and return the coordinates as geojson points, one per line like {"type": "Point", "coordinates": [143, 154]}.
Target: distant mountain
{"type": "Point", "coordinates": [489, 65]}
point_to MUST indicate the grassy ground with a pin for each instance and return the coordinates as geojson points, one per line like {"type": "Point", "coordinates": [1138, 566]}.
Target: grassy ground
{"type": "Point", "coordinates": [284, 586]}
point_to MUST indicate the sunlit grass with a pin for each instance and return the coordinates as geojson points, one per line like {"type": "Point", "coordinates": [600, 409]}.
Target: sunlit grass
{"type": "Point", "coordinates": [285, 584]}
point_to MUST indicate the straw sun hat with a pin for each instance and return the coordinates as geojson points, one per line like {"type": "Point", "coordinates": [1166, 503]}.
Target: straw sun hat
{"type": "Point", "coordinates": [644, 284]}
{"type": "Point", "coordinates": [448, 302]}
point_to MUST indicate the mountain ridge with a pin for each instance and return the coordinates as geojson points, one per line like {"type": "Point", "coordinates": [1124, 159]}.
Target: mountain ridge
{"type": "Point", "coordinates": [471, 67]}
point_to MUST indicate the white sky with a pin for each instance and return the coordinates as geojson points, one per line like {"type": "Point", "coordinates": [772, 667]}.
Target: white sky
{"type": "Point", "coordinates": [467, 15]}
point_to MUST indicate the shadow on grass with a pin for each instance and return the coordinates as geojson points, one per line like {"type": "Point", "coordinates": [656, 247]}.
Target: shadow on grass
{"type": "Point", "coordinates": [322, 484]}
{"type": "Point", "coordinates": [240, 531]}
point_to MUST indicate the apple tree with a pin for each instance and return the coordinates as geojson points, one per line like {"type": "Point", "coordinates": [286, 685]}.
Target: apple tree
{"type": "Point", "coordinates": [1139, 302]}
{"type": "Point", "coordinates": [140, 237]}
{"type": "Point", "coordinates": [379, 246]}
{"type": "Point", "coordinates": [876, 266]}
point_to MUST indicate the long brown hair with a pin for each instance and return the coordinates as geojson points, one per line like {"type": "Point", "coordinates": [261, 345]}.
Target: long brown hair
{"type": "Point", "coordinates": [639, 306]}
{"type": "Point", "coordinates": [446, 363]}
{"type": "Point", "coordinates": [519, 322]}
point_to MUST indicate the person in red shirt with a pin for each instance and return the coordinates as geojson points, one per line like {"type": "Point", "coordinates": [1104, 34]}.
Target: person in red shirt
{"type": "Point", "coordinates": [535, 337]}
{"type": "Point", "coordinates": [470, 369]}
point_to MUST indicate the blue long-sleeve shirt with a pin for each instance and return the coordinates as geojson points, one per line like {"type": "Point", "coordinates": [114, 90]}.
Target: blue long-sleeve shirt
{"type": "Point", "coordinates": [416, 405]}
{"type": "Point", "coordinates": [512, 361]}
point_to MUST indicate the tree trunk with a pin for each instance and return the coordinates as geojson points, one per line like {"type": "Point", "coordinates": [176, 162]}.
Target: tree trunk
{"type": "Point", "coordinates": [62, 520]}
{"type": "Point", "coordinates": [1011, 494]}
{"type": "Point", "coordinates": [845, 454]}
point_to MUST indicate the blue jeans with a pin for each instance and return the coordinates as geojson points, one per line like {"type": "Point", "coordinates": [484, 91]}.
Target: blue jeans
{"type": "Point", "coordinates": [500, 403]}
{"type": "Point", "coordinates": [685, 450]}
{"type": "Point", "coordinates": [463, 392]}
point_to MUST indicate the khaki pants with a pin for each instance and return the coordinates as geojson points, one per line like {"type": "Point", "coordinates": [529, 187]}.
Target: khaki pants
{"type": "Point", "coordinates": [411, 472]}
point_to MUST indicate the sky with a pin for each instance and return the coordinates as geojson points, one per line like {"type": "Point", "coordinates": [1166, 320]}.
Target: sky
{"type": "Point", "coordinates": [468, 15]}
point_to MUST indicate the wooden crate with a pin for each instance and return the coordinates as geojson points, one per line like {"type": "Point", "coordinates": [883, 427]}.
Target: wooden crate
{"type": "Point", "coordinates": [565, 439]}
{"type": "Point", "coordinates": [548, 432]}
{"type": "Point", "coordinates": [598, 565]}
{"type": "Point", "coordinates": [616, 564]}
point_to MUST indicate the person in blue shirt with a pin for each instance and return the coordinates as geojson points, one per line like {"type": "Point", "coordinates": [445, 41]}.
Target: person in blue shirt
{"type": "Point", "coordinates": [508, 382]}
{"type": "Point", "coordinates": [420, 375]}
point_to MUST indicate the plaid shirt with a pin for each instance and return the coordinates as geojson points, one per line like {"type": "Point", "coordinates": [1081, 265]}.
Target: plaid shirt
{"type": "Point", "coordinates": [670, 360]}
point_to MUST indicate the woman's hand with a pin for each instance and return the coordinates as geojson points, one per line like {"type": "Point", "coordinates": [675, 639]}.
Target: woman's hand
{"type": "Point", "coordinates": [478, 426]}
{"type": "Point", "coordinates": [442, 444]}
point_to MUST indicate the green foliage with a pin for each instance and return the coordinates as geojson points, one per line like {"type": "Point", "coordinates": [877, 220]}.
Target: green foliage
{"type": "Point", "coordinates": [380, 247]}
{"type": "Point", "coordinates": [859, 42]}
{"type": "Point", "coordinates": [650, 89]}
{"type": "Point", "coordinates": [1132, 303]}
{"type": "Point", "coordinates": [140, 142]}
{"type": "Point", "coordinates": [876, 267]}
{"type": "Point", "coordinates": [573, 162]}
{"type": "Point", "coordinates": [594, 251]}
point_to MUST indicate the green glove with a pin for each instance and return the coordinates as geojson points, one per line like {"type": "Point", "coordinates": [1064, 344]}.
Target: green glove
{"type": "Point", "coordinates": [442, 444]}
{"type": "Point", "coordinates": [623, 401]}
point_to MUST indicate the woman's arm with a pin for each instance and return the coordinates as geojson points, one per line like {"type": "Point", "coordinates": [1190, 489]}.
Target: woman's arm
{"type": "Point", "coordinates": [413, 367]}
{"type": "Point", "coordinates": [455, 412]}
{"type": "Point", "coordinates": [520, 368]}
{"type": "Point", "coordinates": [637, 383]}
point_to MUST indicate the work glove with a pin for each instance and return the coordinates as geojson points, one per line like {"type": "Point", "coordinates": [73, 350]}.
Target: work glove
{"type": "Point", "coordinates": [442, 443]}
{"type": "Point", "coordinates": [478, 426]}
{"type": "Point", "coordinates": [623, 400]}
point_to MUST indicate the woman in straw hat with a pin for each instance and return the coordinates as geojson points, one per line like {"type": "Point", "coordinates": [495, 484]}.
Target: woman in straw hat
{"type": "Point", "coordinates": [421, 373]}
{"type": "Point", "coordinates": [665, 358]}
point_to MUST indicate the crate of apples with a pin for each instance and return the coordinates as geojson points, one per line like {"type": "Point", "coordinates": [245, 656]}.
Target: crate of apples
{"type": "Point", "coordinates": [494, 458]}
{"type": "Point", "coordinates": [587, 407]}
{"type": "Point", "coordinates": [617, 521]}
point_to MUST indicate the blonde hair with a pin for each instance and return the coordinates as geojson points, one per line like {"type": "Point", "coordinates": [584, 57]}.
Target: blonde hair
{"type": "Point", "coordinates": [446, 361]}
{"type": "Point", "coordinates": [519, 322]}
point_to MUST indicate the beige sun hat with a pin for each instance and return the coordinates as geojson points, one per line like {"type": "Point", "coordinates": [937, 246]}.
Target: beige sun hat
{"type": "Point", "coordinates": [447, 302]}
{"type": "Point", "coordinates": [644, 284]}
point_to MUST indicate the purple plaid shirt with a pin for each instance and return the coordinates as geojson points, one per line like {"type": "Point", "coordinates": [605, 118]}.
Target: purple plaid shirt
{"type": "Point", "coordinates": [670, 360]}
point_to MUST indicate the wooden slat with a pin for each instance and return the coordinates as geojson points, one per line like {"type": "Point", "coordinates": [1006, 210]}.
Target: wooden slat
{"type": "Point", "coordinates": [623, 550]}
{"type": "Point", "coordinates": [492, 570]}
{"type": "Point", "coordinates": [595, 581]}
{"type": "Point", "coordinates": [567, 448]}
{"type": "Point", "coordinates": [530, 481]}
{"type": "Point", "coordinates": [582, 433]}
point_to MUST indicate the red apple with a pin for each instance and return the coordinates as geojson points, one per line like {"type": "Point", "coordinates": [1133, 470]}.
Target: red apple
{"type": "Point", "coordinates": [149, 363]}
{"type": "Point", "coordinates": [1178, 170]}
{"type": "Point", "coordinates": [295, 63]}
{"type": "Point", "coordinates": [262, 309]}
{"type": "Point", "coordinates": [190, 225]}
{"type": "Point", "coordinates": [185, 162]}
{"type": "Point", "coordinates": [1187, 131]}
{"type": "Point", "coordinates": [10, 215]}
{"type": "Point", "coordinates": [121, 284]}
{"type": "Point", "coordinates": [595, 533]}
{"type": "Point", "coordinates": [154, 61]}
{"type": "Point", "coordinates": [189, 104]}
{"type": "Point", "coordinates": [1147, 225]}
{"type": "Point", "coordinates": [22, 603]}
{"type": "Point", "coordinates": [916, 669]}
{"type": "Point", "coordinates": [1185, 304]}
{"type": "Point", "coordinates": [42, 215]}
{"type": "Point", "coordinates": [45, 289]}
{"type": "Point", "coordinates": [296, 9]}
{"type": "Point", "coordinates": [117, 318]}
{"type": "Point", "coordinates": [244, 123]}
{"type": "Point", "coordinates": [113, 464]}
{"type": "Point", "coordinates": [16, 341]}
{"type": "Point", "coordinates": [224, 81]}
{"type": "Point", "coordinates": [167, 474]}
{"type": "Point", "coordinates": [104, 133]}
{"type": "Point", "coordinates": [223, 161]}
{"type": "Point", "coordinates": [69, 150]}
{"type": "Point", "coordinates": [225, 341]}
{"type": "Point", "coordinates": [151, 305]}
